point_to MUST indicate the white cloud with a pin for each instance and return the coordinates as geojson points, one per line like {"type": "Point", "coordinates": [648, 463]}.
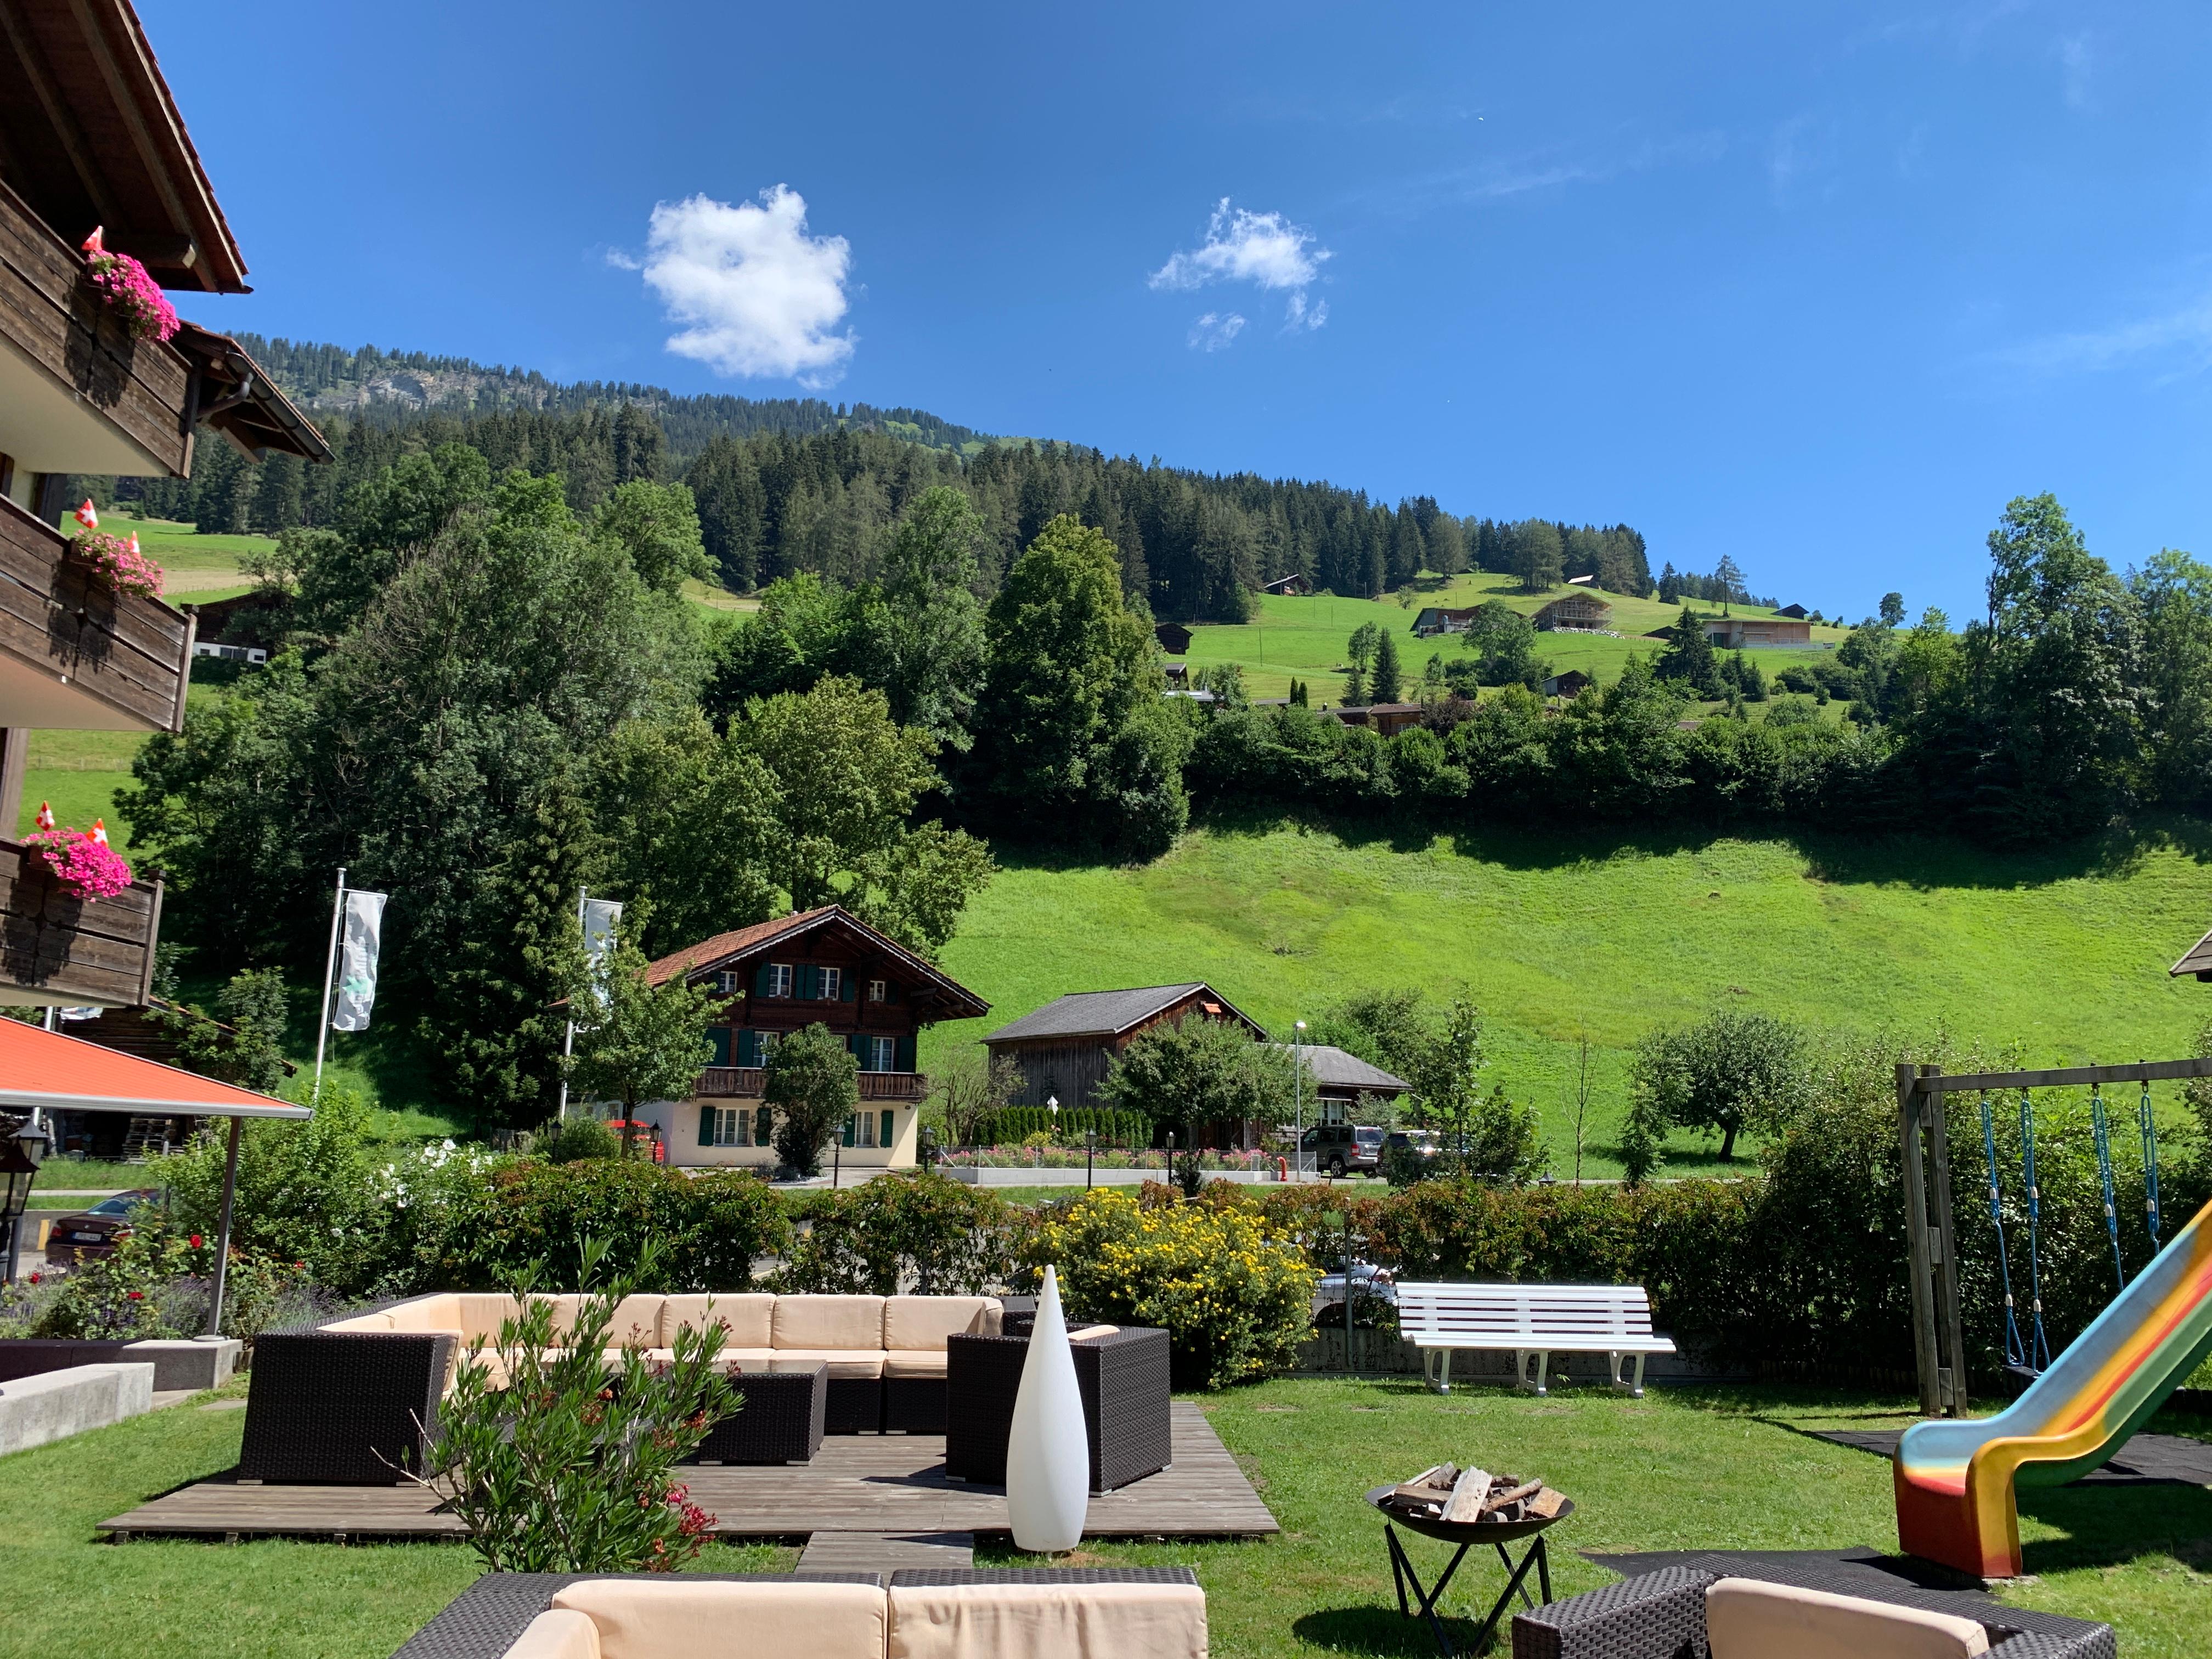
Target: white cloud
{"type": "Point", "coordinates": [1264, 249]}
{"type": "Point", "coordinates": [2178, 342]}
{"type": "Point", "coordinates": [1215, 329]}
{"type": "Point", "coordinates": [757, 295]}
{"type": "Point", "coordinates": [2075, 66]}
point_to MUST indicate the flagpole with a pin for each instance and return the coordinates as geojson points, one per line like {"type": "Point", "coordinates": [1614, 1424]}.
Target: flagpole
{"type": "Point", "coordinates": [568, 1041]}
{"type": "Point", "coordinates": [330, 970]}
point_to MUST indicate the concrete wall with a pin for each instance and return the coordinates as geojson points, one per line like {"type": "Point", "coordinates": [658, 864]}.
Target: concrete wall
{"type": "Point", "coordinates": [35, 1410]}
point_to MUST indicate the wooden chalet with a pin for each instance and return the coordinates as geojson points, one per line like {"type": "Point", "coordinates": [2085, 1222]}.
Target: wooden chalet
{"type": "Point", "coordinates": [1571, 684]}
{"type": "Point", "coordinates": [1434, 619]}
{"type": "Point", "coordinates": [1293, 586]}
{"type": "Point", "coordinates": [822, 967]}
{"type": "Point", "coordinates": [1796, 612]}
{"type": "Point", "coordinates": [90, 138]}
{"type": "Point", "coordinates": [1389, 719]}
{"type": "Point", "coordinates": [2195, 961]}
{"type": "Point", "coordinates": [1065, 1048]}
{"type": "Point", "coordinates": [1753, 633]}
{"type": "Point", "coordinates": [1578, 612]}
{"type": "Point", "coordinates": [1173, 638]}
{"type": "Point", "coordinates": [1342, 1082]}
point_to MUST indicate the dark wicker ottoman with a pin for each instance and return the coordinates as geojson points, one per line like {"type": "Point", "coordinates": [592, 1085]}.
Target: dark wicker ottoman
{"type": "Point", "coordinates": [1661, 1615]}
{"type": "Point", "coordinates": [1124, 1380]}
{"type": "Point", "coordinates": [780, 1421]}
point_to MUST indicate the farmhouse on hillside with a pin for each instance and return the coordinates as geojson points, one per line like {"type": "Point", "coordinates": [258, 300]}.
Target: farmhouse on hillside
{"type": "Point", "coordinates": [1573, 683]}
{"type": "Point", "coordinates": [1796, 611]}
{"type": "Point", "coordinates": [1341, 1080]}
{"type": "Point", "coordinates": [1576, 613]}
{"type": "Point", "coordinates": [1063, 1048]}
{"type": "Point", "coordinates": [1173, 638]}
{"type": "Point", "coordinates": [1751, 633]}
{"type": "Point", "coordinates": [818, 967]}
{"type": "Point", "coordinates": [1290, 586]}
{"type": "Point", "coordinates": [1387, 719]}
{"type": "Point", "coordinates": [1434, 619]}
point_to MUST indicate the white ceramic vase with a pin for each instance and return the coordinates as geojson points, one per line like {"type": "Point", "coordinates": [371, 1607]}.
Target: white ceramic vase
{"type": "Point", "coordinates": [1048, 1453]}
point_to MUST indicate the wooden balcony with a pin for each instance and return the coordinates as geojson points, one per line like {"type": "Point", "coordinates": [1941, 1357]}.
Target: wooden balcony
{"type": "Point", "coordinates": [78, 393]}
{"type": "Point", "coordinates": [75, 655]}
{"type": "Point", "coordinates": [744, 1083]}
{"type": "Point", "coordinates": [56, 950]}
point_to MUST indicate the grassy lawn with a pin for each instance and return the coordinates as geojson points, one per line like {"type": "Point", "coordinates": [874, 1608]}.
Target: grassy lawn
{"type": "Point", "coordinates": [1305, 638]}
{"type": "Point", "coordinates": [194, 566]}
{"type": "Point", "coordinates": [1681, 1469]}
{"type": "Point", "coordinates": [2061, 953]}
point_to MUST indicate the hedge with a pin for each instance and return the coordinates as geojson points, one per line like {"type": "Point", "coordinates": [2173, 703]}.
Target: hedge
{"type": "Point", "coordinates": [1011, 1125]}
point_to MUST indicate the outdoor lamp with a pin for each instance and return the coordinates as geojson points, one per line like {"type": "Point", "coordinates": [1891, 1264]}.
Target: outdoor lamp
{"type": "Point", "coordinates": [19, 1158]}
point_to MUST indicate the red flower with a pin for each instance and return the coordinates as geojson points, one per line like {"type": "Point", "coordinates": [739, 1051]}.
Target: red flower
{"type": "Point", "coordinates": [196, 1241]}
{"type": "Point", "coordinates": [137, 1296]}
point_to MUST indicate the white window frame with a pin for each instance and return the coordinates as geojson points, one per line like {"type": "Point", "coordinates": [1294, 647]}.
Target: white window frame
{"type": "Point", "coordinates": [882, 1048]}
{"type": "Point", "coordinates": [778, 979]}
{"type": "Point", "coordinates": [732, 1125]}
{"type": "Point", "coordinates": [764, 1044]}
{"type": "Point", "coordinates": [728, 982]}
{"type": "Point", "coordinates": [864, 1129]}
{"type": "Point", "coordinates": [830, 983]}
{"type": "Point", "coordinates": [878, 991]}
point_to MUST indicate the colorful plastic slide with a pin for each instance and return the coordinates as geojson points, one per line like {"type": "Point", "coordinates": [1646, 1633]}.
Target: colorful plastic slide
{"type": "Point", "coordinates": [1955, 1478]}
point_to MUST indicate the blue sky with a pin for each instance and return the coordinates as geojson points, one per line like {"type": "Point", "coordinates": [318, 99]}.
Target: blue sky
{"type": "Point", "coordinates": [1818, 286]}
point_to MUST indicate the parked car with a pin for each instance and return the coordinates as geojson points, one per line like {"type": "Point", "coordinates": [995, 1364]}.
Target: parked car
{"type": "Point", "coordinates": [92, 1233]}
{"type": "Point", "coordinates": [1422, 1143]}
{"type": "Point", "coordinates": [1337, 1149]}
{"type": "Point", "coordinates": [1367, 1279]}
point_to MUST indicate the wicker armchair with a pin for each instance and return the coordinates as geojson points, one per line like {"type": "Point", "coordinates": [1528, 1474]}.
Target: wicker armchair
{"type": "Point", "coordinates": [1124, 1380]}
{"type": "Point", "coordinates": [1661, 1615]}
{"type": "Point", "coordinates": [341, 1408]}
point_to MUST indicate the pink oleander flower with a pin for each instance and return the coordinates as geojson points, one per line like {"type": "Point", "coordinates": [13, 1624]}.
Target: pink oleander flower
{"type": "Point", "coordinates": [89, 869]}
{"type": "Point", "coordinates": [131, 294]}
{"type": "Point", "coordinates": [119, 562]}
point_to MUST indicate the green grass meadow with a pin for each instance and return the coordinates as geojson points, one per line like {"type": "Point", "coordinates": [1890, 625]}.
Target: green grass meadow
{"type": "Point", "coordinates": [1304, 638]}
{"type": "Point", "coordinates": [1679, 1470]}
{"type": "Point", "coordinates": [2061, 955]}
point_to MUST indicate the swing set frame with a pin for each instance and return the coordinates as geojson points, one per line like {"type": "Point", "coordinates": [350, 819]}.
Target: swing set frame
{"type": "Point", "coordinates": [1931, 1234]}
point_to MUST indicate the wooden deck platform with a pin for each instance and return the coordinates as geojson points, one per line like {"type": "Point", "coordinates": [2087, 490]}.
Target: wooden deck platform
{"type": "Point", "coordinates": [860, 1483]}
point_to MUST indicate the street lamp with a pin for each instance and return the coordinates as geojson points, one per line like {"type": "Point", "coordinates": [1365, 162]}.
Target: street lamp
{"type": "Point", "coordinates": [1298, 1093]}
{"type": "Point", "coordinates": [1089, 1152]}
{"type": "Point", "coordinates": [19, 1158]}
{"type": "Point", "coordinates": [1053, 1102]}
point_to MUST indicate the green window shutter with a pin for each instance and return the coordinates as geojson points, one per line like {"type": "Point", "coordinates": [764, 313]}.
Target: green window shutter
{"type": "Point", "coordinates": [705, 1126]}
{"type": "Point", "coordinates": [760, 979]}
{"type": "Point", "coordinates": [763, 1127]}
{"type": "Point", "coordinates": [851, 988]}
{"type": "Point", "coordinates": [851, 1124]}
{"type": "Point", "coordinates": [891, 990]}
{"type": "Point", "coordinates": [884, 1139]}
{"type": "Point", "coordinates": [718, 1043]}
{"type": "Point", "coordinates": [903, 1057]}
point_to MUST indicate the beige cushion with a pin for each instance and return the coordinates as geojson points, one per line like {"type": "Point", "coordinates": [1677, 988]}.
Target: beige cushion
{"type": "Point", "coordinates": [559, 1634]}
{"type": "Point", "coordinates": [746, 1359]}
{"type": "Point", "coordinates": [367, 1321]}
{"type": "Point", "coordinates": [1746, 1618]}
{"type": "Point", "coordinates": [1049, 1621]}
{"type": "Point", "coordinates": [922, 1323]}
{"type": "Point", "coordinates": [1081, 1332]}
{"type": "Point", "coordinates": [636, 1323]}
{"type": "Point", "coordinates": [427, 1313]}
{"type": "Point", "coordinates": [643, 1619]}
{"type": "Point", "coordinates": [913, 1362]}
{"type": "Point", "coordinates": [747, 1317]}
{"type": "Point", "coordinates": [829, 1321]}
{"type": "Point", "coordinates": [477, 1314]}
{"type": "Point", "coordinates": [841, 1362]}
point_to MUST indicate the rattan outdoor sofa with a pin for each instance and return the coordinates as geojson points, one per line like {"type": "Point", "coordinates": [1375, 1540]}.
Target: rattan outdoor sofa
{"type": "Point", "coordinates": [1118, 1612]}
{"type": "Point", "coordinates": [1768, 1607]}
{"type": "Point", "coordinates": [350, 1401]}
{"type": "Point", "coordinates": [1122, 1372]}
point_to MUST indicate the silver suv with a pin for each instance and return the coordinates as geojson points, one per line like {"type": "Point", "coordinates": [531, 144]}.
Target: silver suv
{"type": "Point", "coordinates": [1341, 1149]}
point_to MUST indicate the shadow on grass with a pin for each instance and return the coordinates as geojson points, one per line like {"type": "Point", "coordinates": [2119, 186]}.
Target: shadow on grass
{"type": "Point", "coordinates": [1380, 1630]}
{"type": "Point", "coordinates": [2108, 1526]}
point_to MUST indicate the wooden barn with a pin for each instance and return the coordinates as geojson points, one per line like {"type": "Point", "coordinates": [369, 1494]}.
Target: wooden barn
{"type": "Point", "coordinates": [1063, 1048]}
{"type": "Point", "coordinates": [1583, 612]}
{"type": "Point", "coordinates": [1389, 719]}
{"type": "Point", "coordinates": [1573, 683]}
{"type": "Point", "coordinates": [1293, 586]}
{"type": "Point", "coordinates": [1173, 638]}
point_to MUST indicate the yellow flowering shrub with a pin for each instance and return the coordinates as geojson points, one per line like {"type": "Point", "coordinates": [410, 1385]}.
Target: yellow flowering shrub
{"type": "Point", "coordinates": [1234, 1296]}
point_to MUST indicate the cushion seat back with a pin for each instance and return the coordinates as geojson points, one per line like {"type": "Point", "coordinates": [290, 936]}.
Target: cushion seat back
{"type": "Point", "coordinates": [843, 1322]}
{"type": "Point", "coordinates": [1047, 1621]}
{"type": "Point", "coordinates": [635, 1620]}
{"type": "Point", "coordinates": [745, 1318]}
{"type": "Point", "coordinates": [1750, 1619]}
{"type": "Point", "coordinates": [920, 1323]}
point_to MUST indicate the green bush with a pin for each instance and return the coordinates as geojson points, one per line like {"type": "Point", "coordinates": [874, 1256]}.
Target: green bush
{"type": "Point", "coordinates": [1234, 1297]}
{"type": "Point", "coordinates": [508, 1218]}
{"type": "Point", "coordinates": [575, 1141]}
{"type": "Point", "coordinates": [1009, 1126]}
{"type": "Point", "coordinates": [944, 1238]}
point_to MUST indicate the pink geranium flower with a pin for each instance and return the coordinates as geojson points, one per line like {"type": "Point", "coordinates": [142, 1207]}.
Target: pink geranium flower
{"type": "Point", "coordinates": [131, 294]}
{"type": "Point", "coordinates": [119, 562]}
{"type": "Point", "coordinates": [89, 869]}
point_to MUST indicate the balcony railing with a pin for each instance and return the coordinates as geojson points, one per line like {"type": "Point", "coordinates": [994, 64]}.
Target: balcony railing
{"type": "Point", "coordinates": [75, 655]}
{"type": "Point", "coordinates": [744, 1083]}
{"type": "Point", "coordinates": [56, 948]}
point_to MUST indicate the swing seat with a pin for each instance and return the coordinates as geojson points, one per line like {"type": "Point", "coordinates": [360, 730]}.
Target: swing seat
{"type": "Point", "coordinates": [2022, 1379]}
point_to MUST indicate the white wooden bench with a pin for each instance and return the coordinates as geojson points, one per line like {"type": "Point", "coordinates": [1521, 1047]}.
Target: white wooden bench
{"type": "Point", "coordinates": [1533, 1321]}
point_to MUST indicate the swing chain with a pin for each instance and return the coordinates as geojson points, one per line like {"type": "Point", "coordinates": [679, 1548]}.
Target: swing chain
{"type": "Point", "coordinates": [2149, 1128]}
{"type": "Point", "coordinates": [2102, 1132]}
{"type": "Point", "coordinates": [2015, 1350]}
{"type": "Point", "coordinates": [2039, 1353]}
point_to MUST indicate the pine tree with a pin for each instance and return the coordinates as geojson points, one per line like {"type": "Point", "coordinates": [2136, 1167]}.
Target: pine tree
{"type": "Point", "coordinates": [1388, 685]}
{"type": "Point", "coordinates": [1690, 658]}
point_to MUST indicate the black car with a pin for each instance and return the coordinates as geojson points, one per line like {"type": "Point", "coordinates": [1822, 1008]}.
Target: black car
{"type": "Point", "coordinates": [91, 1233]}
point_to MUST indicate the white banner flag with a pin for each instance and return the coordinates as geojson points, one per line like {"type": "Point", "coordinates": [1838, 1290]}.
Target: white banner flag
{"type": "Point", "coordinates": [356, 987]}
{"type": "Point", "coordinates": [601, 917]}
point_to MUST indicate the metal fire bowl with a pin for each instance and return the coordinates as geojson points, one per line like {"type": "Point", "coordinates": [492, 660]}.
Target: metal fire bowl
{"type": "Point", "coordinates": [1468, 1532]}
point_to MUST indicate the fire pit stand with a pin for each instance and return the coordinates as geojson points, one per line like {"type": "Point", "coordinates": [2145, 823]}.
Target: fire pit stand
{"type": "Point", "coordinates": [1466, 1535]}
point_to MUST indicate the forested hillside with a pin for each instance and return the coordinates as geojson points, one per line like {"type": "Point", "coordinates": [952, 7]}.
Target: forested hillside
{"type": "Point", "coordinates": [800, 485]}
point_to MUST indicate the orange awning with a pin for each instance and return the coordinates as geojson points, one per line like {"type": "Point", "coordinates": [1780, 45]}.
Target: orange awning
{"type": "Point", "coordinates": [42, 1068]}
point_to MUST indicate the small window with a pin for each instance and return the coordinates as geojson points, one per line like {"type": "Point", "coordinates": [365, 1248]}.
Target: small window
{"type": "Point", "coordinates": [879, 1053]}
{"type": "Point", "coordinates": [775, 980]}
{"type": "Point", "coordinates": [876, 991]}
{"type": "Point", "coordinates": [832, 983]}
{"type": "Point", "coordinates": [728, 982]}
{"type": "Point", "coordinates": [730, 1126]}
{"type": "Point", "coordinates": [764, 1044]}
